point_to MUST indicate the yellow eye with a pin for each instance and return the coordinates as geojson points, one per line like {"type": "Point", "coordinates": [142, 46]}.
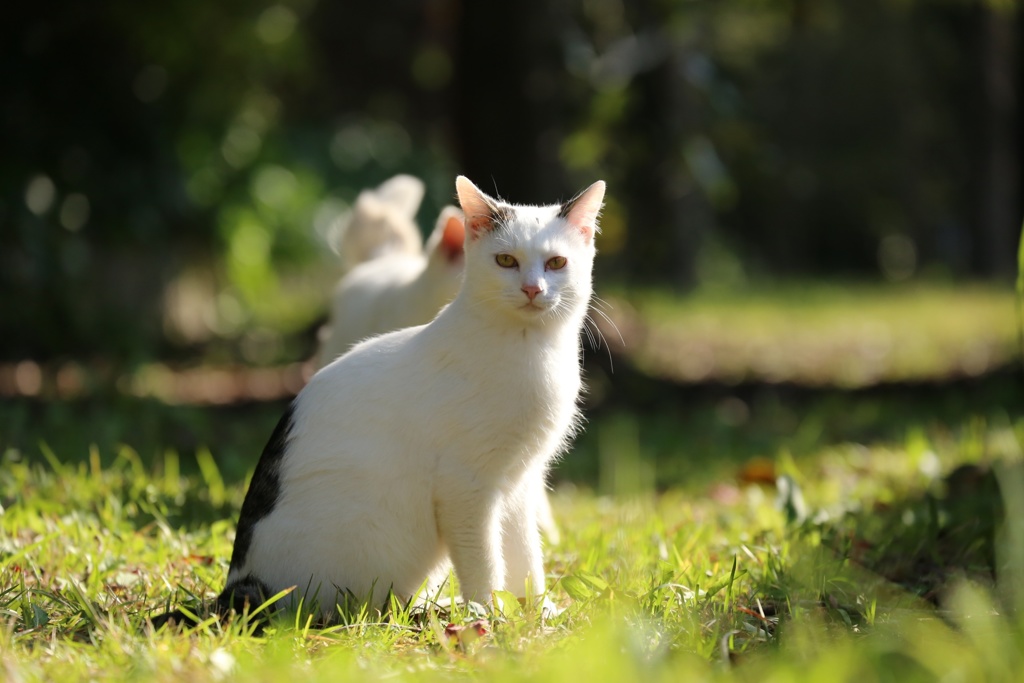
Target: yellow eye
{"type": "Point", "coordinates": [555, 263]}
{"type": "Point", "coordinates": [506, 260]}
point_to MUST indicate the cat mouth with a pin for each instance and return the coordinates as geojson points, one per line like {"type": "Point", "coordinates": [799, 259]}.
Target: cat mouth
{"type": "Point", "coordinates": [533, 307]}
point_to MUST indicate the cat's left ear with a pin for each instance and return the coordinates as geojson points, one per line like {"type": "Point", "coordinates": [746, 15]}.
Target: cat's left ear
{"type": "Point", "coordinates": [482, 212]}
{"type": "Point", "coordinates": [581, 211]}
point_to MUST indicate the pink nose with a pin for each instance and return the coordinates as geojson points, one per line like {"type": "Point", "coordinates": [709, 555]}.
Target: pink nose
{"type": "Point", "coordinates": [531, 291]}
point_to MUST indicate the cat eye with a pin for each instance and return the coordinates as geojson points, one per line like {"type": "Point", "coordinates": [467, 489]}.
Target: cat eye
{"type": "Point", "coordinates": [506, 260]}
{"type": "Point", "coordinates": [555, 263]}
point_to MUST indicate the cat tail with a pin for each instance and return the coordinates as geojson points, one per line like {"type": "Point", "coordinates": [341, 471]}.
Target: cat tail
{"type": "Point", "coordinates": [382, 221]}
{"type": "Point", "coordinates": [449, 234]}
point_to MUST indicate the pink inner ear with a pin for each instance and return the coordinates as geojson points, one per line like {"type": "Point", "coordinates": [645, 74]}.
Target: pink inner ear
{"type": "Point", "coordinates": [474, 204]}
{"type": "Point", "coordinates": [452, 238]}
{"type": "Point", "coordinates": [585, 209]}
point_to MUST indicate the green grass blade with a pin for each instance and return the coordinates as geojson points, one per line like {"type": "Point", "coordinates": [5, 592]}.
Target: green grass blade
{"type": "Point", "coordinates": [58, 467]}
{"type": "Point", "coordinates": [211, 475]}
{"type": "Point", "coordinates": [269, 602]}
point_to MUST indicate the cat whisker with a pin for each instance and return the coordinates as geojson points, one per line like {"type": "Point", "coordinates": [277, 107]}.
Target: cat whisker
{"type": "Point", "coordinates": [594, 342]}
{"type": "Point", "coordinates": [611, 322]}
{"type": "Point", "coordinates": [563, 310]}
{"type": "Point", "coordinates": [593, 333]}
{"type": "Point", "coordinates": [589, 323]}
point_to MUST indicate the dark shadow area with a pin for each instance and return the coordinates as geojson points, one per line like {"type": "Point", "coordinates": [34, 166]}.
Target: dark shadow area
{"type": "Point", "coordinates": [923, 544]}
{"type": "Point", "coordinates": [235, 434]}
{"type": "Point", "coordinates": [695, 434]}
{"type": "Point", "coordinates": [689, 434]}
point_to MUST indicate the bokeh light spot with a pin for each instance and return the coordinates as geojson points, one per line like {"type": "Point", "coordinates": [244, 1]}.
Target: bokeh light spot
{"type": "Point", "coordinates": [897, 257]}
{"type": "Point", "coordinates": [240, 146]}
{"type": "Point", "coordinates": [250, 244]}
{"type": "Point", "coordinates": [276, 24]}
{"type": "Point", "coordinates": [350, 148]}
{"type": "Point", "coordinates": [431, 68]}
{"type": "Point", "coordinates": [74, 212]}
{"type": "Point", "coordinates": [274, 186]}
{"type": "Point", "coordinates": [28, 378]}
{"type": "Point", "coordinates": [40, 194]}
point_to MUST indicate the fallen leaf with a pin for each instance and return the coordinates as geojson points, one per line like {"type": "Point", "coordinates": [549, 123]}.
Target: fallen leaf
{"type": "Point", "coordinates": [758, 471]}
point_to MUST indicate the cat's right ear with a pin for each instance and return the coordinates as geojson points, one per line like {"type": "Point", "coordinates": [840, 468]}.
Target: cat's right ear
{"type": "Point", "coordinates": [480, 210]}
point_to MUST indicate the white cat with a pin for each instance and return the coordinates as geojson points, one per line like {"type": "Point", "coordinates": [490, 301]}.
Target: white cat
{"type": "Point", "coordinates": [427, 447]}
{"type": "Point", "coordinates": [391, 283]}
{"type": "Point", "coordinates": [382, 221]}
{"type": "Point", "coordinates": [400, 287]}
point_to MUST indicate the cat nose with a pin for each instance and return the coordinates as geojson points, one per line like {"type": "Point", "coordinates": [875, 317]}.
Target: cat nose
{"type": "Point", "coordinates": [531, 291]}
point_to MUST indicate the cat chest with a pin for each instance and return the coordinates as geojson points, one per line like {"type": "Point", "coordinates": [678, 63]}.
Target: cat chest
{"type": "Point", "coordinates": [519, 416]}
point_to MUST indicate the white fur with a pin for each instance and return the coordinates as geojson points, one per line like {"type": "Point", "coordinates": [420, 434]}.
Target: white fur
{"type": "Point", "coordinates": [400, 288]}
{"type": "Point", "coordinates": [429, 445]}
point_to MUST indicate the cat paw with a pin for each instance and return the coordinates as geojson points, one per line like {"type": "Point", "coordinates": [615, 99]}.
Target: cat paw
{"type": "Point", "coordinates": [547, 607]}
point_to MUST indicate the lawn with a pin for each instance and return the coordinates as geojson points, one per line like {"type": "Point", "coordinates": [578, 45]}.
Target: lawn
{"type": "Point", "coordinates": [732, 530]}
{"type": "Point", "coordinates": [844, 334]}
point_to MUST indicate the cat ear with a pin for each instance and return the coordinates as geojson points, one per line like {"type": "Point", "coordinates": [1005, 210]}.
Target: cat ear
{"type": "Point", "coordinates": [581, 211]}
{"type": "Point", "coordinates": [453, 238]}
{"type": "Point", "coordinates": [368, 205]}
{"type": "Point", "coordinates": [404, 192]}
{"type": "Point", "coordinates": [448, 235]}
{"type": "Point", "coordinates": [481, 211]}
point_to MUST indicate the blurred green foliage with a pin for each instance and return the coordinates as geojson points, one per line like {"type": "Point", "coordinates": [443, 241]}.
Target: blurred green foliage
{"type": "Point", "coordinates": [170, 172]}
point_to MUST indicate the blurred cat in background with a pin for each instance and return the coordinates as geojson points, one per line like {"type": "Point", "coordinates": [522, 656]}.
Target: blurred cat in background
{"type": "Point", "coordinates": [382, 221]}
{"type": "Point", "coordinates": [390, 279]}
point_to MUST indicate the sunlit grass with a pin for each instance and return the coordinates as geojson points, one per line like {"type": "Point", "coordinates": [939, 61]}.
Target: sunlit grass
{"type": "Point", "coordinates": [733, 581]}
{"type": "Point", "coordinates": [818, 334]}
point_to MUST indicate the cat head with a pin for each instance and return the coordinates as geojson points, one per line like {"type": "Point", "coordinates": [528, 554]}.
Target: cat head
{"type": "Point", "coordinates": [532, 262]}
{"type": "Point", "coordinates": [382, 221]}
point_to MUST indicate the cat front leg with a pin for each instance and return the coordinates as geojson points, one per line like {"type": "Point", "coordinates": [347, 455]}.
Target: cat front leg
{"type": "Point", "coordinates": [521, 542]}
{"type": "Point", "coordinates": [470, 526]}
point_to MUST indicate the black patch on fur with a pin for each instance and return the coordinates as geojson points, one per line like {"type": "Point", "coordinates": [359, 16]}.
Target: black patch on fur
{"type": "Point", "coordinates": [264, 490]}
{"type": "Point", "coordinates": [567, 206]}
{"type": "Point", "coordinates": [243, 595]}
{"type": "Point", "coordinates": [174, 617]}
{"type": "Point", "coordinates": [502, 215]}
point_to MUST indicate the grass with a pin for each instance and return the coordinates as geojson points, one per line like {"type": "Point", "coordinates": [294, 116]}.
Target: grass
{"type": "Point", "coordinates": [850, 336]}
{"type": "Point", "coordinates": [853, 573]}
